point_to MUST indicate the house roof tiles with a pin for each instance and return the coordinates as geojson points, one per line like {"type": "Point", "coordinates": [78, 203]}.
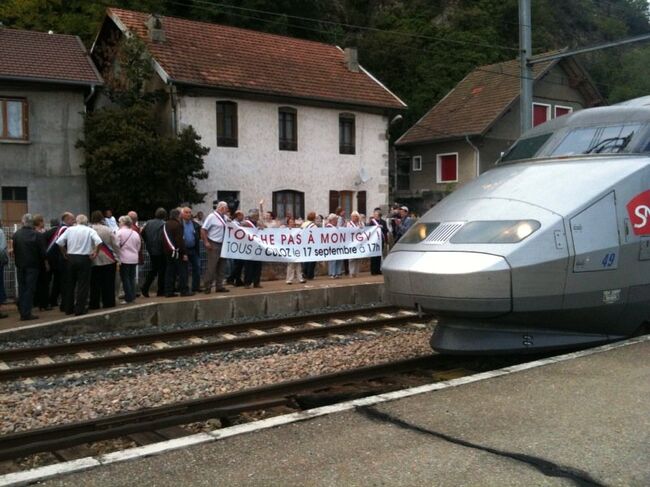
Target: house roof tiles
{"type": "Point", "coordinates": [473, 105]}
{"type": "Point", "coordinates": [220, 56]}
{"type": "Point", "coordinates": [38, 56]}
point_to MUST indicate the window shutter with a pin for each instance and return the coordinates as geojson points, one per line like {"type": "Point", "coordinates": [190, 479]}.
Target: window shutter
{"type": "Point", "coordinates": [448, 168]}
{"type": "Point", "coordinates": [361, 202]}
{"type": "Point", "coordinates": [540, 114]}
{"type": "Point", "coordinates": [334, 200]}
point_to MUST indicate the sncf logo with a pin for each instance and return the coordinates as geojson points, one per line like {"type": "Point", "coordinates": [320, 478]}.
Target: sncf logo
{"type": "Point", "coordinates": [639, 210]}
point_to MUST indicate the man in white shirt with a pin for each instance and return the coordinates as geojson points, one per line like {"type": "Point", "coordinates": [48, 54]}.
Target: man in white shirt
{"type": "Point", "coordinates": [79, 245]}
{"type": "Point", "coordinates": [212, 234]}
{"type": "Point", "coordinates": [110, 222]}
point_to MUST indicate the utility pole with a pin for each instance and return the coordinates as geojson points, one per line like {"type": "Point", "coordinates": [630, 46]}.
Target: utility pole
{"type": "Point", "coordinates": [526, 72]}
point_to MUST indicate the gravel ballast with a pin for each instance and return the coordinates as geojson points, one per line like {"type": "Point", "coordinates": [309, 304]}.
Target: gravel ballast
{"type": "Point", "coordinates": [59, 400]}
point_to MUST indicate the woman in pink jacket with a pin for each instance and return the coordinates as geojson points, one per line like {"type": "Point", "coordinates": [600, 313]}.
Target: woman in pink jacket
{"type": "Point", "coordinates": [129, 250]}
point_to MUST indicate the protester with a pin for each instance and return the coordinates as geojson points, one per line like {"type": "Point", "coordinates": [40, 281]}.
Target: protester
{"type": "Point", "coordinates": [134, 226]}
{"type": "Point", "coordinates": [110, 221]}
{"type": "Point", "coordinates": [405, 222]}
{"type": "Point", "coordinates": [192, 237]}
{"type": "Point", "coordinates": [377, 220]}
{"type": "Point", "coordinates": [176, 255]}
{"type": "Point", "coordinates": [129, 244]}
{"type": "Point", "coordinates": [58, 265]}
{"type": "Point", "coordinates": [268, 218]}
{"type": "Point", "coordinates": [102, 272]}
{"type": "Point", "coordinates": [212, 234]}
{"type": "Point", "coordinates": [80, 245]}
{"type": "Point", "coordinates": [355, 222]}
{"type": "Point", "coordinates": [294, 269]}
{"type": "Point", "coordinates": [236, 265]}
{"type": "Point", "coordinates": [334, 267]}
{"type": "Point", "coordinates": [198, 218]}
{"type": "Point", "coordinates": [42, 296]}
{"type": "Point", "coordinates": [4, 260]}
{"type": "Point", "coordinates": [29, 255]}
{"type": "Point", "coordinates": [252, 268]}
{"type": "Point", "coordinates": [308, 268]}
{"type": "Point", "coordinates": [152, 234]}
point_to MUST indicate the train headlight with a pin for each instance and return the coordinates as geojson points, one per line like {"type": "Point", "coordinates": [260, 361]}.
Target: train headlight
{"type": "Point", "coordinates": [418, 232]}
{"type": "Point", "coordinates": [496, 232]}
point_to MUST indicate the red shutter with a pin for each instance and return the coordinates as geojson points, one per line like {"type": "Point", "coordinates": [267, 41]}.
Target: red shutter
{"type": "Point", "coordinates": [361, 202]}
{"type": "Point", "coordinates": [559, 111]}
{"type": "Point", "coordinates": [540, 114]}
{"type": "Point", "coordinates": [448, 168]}
{"type": "Point", "coordinates": [334, 200]}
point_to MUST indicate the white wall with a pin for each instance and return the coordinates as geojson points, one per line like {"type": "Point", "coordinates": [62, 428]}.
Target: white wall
{"type": "Point", "coordinates": [257, 168]}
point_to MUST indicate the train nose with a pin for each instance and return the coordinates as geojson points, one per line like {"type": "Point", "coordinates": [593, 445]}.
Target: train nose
{"type": "Point", "coordinates": [459, 283]}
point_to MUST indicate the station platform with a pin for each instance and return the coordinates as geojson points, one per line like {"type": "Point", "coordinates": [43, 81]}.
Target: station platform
{"type": "Point", "coordinates": [576, 419]}
{"type": "Point", "coordinates": [274, 297]}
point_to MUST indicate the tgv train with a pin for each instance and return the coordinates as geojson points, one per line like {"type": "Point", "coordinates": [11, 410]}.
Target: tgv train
{"type": "Point", "coordinates": [548, 250]}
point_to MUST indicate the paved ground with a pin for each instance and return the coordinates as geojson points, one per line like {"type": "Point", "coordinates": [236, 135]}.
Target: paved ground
{"type": "Point", "coordinates": [580, 422]}
{"type": "Point", "coordinates": [13, 321]}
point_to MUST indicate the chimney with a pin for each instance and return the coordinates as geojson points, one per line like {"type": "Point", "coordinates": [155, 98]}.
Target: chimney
{"type": "Point", "coordinates": [351, 57]}
{"type": "Point", "coordinates": [155, 28]}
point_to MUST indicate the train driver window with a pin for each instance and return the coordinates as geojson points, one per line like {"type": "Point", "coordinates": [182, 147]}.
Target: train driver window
{"type": "Point", "coordinates": [597, 140]}
{"type": "Point", "coordinates": [526, 148]}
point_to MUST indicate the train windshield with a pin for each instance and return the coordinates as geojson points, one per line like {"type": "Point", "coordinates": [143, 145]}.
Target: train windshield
{"type": "Point", "coordinates": [604, 139]}
{"type": "Point", "coordinates": [597, 140]}
{"type": "Point", "coordinates": [526, 148]}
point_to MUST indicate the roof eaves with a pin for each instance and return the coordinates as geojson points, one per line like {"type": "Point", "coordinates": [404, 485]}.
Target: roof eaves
{"type": "Point", "coordinates": [100, 80]}
{"type": "Point", "coordinates": [435, 140]}
{"type": "Point", "coordinates": [52, 80]}
{"type": "Point", "coordinates": [404, 105]}
{"type": "Point", "coordinates": [341, 101]}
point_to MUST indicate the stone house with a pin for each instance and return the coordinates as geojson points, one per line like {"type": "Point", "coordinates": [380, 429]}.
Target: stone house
{"type": "Point", "coordinates": [44, 82]}
{"type": "Point", "coordinates": [296, 123]}
{"type": "Point", "coordinates": [465, 133]}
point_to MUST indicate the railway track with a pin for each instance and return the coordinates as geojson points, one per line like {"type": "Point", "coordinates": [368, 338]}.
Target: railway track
{"type": "Point", "coordinates": [73, 357]}
{"type": "Point", "coordinates": [169, 417]}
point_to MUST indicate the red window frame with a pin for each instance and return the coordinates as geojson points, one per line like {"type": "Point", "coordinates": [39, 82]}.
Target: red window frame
{"type": "Point", "coordinates": [560, 110]}
{"type": "Point", "coordinates": [447, 168]}
{"type": "Point", "coordinates": [541, 113]}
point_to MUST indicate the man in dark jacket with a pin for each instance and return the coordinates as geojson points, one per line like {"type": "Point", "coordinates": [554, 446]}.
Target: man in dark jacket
{"type": "Point", "coordinates": [377, 220]}
{"type": "Point", "coordinates": [29, 253]}
{"type": "Point", "coordinates": [152, 234]}
{"type": "Point", "coordinates": [192, 237]}
{"type": "Point", "coordinates": [58, 264]}
{"type": "Point", "coordinates": [175, 255]}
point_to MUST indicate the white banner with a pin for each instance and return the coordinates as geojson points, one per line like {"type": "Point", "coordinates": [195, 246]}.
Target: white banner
{"type": "Point", "coordinates": [301, 245]}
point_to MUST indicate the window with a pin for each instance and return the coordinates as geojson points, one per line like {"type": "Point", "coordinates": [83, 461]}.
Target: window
{"type": "Point", "coordinates": [226, 124]}
{"type": "Point", "coordinates": [417, 163]}
{"type": "Point", "coordinates": [346, 133]}
{"type": "Point", "coordinates": [541, 113]}
{"type": "Point", "coordinates": [14, 204]}
{"type": "Point", "coordinates": [288, 128]}
{"type": "Point", "coordinates": [289, 203]}
{"type": "Point", "coordinates": [447, 168]}
{"type": "Point", "coordinates": [526, 148]}
{"type": "Point", "coordinates": [13, 119]}
{"type": "Point", "coordinates": [230, 197]}
{"type": "Point", "coordinates": [561, 110]}
{"type": "Point", "coordinates": [344, 200]}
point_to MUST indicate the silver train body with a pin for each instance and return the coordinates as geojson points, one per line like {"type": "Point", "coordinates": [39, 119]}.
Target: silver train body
{"type": "Point", "coordinates": [548, 250]}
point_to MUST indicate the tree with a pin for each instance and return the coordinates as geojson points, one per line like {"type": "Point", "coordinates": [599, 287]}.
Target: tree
{"type": "Point", "coordinates": [129, 163]}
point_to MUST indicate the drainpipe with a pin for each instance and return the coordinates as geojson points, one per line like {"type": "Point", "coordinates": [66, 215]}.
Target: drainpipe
{"type": "Point", "coordinates": [173, 100]}
{"type": "Point", "coordinates": [87, 99]}
{"type": "Point", "coordinates": [477, 155]}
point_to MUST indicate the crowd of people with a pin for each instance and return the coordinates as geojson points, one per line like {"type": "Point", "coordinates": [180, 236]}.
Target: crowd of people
{"type": "Point", "coordinates": [73, 265]}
